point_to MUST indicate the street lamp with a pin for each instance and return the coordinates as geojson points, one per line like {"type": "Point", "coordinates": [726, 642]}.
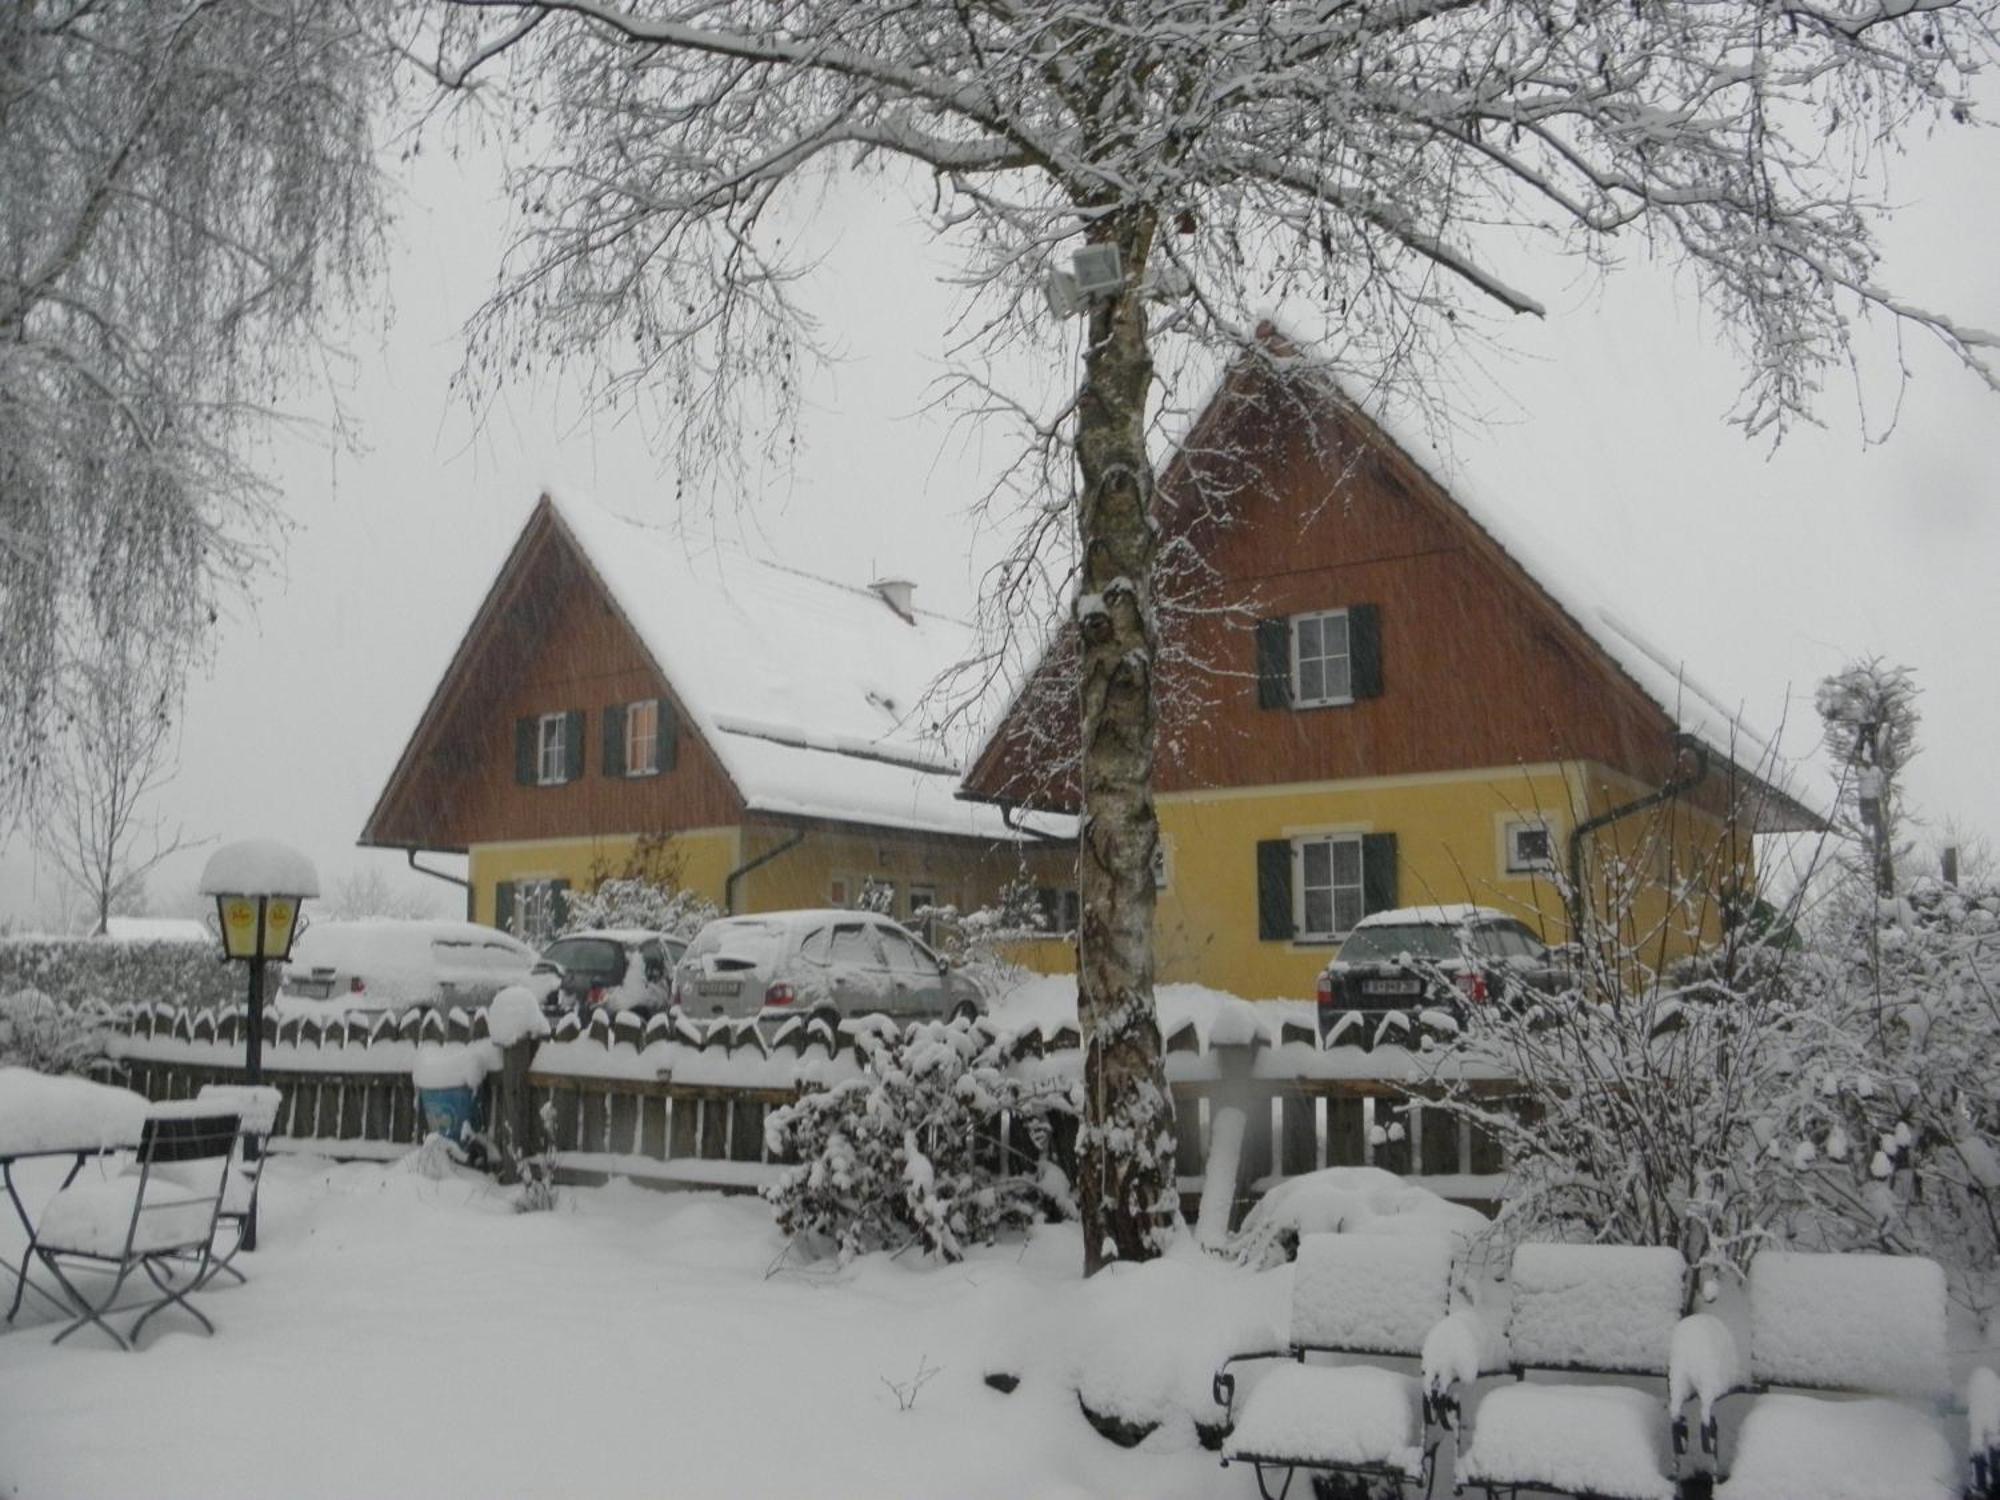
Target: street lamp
{"type": "Point", "coordinates": [257, 885]}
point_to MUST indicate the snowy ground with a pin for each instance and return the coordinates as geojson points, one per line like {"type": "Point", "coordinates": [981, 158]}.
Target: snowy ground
{"type": "Point", "coordinates": [405, 1336]}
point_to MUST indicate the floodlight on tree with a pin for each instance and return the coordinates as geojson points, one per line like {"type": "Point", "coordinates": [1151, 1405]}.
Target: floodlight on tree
{"type": "Point", "coordinates": [1098, 271]}
{"type": "Point", "coordinates": [1065, 298]}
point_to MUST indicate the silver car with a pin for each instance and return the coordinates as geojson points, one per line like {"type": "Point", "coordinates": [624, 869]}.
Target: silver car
{"type": "Point", "coordinates": [847, 963]}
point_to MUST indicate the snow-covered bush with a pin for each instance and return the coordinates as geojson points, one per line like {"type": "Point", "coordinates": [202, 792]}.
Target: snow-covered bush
{"type": "Point", "coordinates": [1892, 1127]}
{"type": "Point", "coordinates": [40, 1033]}
{"type": "Point", "coordinates": [77, 971]}
{"type": "Point", "coordinates": [912, 1152]}
{"type": "Point", "coordinates": [633, 901]}
{"type": "Point", "coordinates": [977, 942]}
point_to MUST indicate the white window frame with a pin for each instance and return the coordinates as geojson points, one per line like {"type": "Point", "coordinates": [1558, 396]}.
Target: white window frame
{"type": "Point", "coordinates": [552, 749]}
{"type": "Point", "coordinates": [535, 910]}
{"type": "Point", "coordinates": [1359, 886]}
{"type": "Point", "coordinates": [1517, 864]}
{"type": "Point", "coordinates": [646, 710]}
{"type": "Point", "coordinates": [1299, 698]}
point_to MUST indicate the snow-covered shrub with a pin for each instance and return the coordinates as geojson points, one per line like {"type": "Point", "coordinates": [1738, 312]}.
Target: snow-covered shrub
{"type": "Point", "coordinates": [633, 901]}
{"type": "Point", "coordinates": [1345, 1200]}
{"type": "Point", "coordinates": [78, 971]}
{"type": "Point", "coordinates": [977, 942]}
{"type": "Point", "coordinates": [41, 1033]}
{"type": "Point", "coordinates": [911, 1151]}
{"type": "Point", "coordinates": [1892, 1126]}
{"type": "Point", "coordinates": [538, 1169]}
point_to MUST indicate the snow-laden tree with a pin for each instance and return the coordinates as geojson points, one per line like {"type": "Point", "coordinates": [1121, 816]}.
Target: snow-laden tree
{"type": "Point", "coordinates": [185, 186]}
{"type": "Point", "coordinates": [1868, 723]}
{"type": "Point", "coordinates": [1394, 166]}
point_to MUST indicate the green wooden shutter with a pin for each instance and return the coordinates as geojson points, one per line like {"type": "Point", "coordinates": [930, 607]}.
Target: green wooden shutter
{"type": "Point", "coordinates": [526, 752]}
{"type": "Point", "coordinates": [573, 745]}
{"type": "Point", "coordinates": [503, 906]}
{"type": "Point", "coordinates": [1274, 663]}
{"type": "Point", "coordinates": [669, 734]}
{"type": "Point", "coordinates": [1364, 647]}
{"type": "Point", "coordinates": [558, 903]}
{"type": "Point", "coordinates": [1378, 873]}
{"type": "Point", "coordinates": [1274, 890]}
{"type": "Point", "coordinates": [614, 739]}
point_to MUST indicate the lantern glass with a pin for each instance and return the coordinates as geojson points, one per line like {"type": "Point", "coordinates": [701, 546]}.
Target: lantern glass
{"type": "Point", "coordinates": [244, 919]}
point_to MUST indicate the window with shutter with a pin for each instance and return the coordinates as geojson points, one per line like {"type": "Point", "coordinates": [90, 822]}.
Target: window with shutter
{"type": "Point", "coordinates": [1327, 895]}
{"type": "Point", "coordinates": [1322, 659]}
{"type": "Point", "coordinates": [1274, 890]}
{"type": "Point", "coordinates": [615, 759]}
{"type": "Point", "coordinates": [552, 749]}
{"type": "Point", "coordinates": [642, 738]}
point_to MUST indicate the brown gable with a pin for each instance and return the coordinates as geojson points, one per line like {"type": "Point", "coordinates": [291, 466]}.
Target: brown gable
{"type": "Point", "coordinates": [546, 638]}
{"type": "Point", "coordinates": [1298, 503]}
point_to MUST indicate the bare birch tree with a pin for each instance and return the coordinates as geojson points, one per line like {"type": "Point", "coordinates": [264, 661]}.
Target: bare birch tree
{"type": "Point", "coordinates": [1374, 162]}
{"type": "Point", "coordinates": [115, 745]}
{"type": "Point", "coordinates": [185, 185]}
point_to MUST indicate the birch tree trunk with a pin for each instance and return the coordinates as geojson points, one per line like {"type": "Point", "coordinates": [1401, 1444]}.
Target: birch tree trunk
{"type": "Point", "coordinates": [1127, 1190]}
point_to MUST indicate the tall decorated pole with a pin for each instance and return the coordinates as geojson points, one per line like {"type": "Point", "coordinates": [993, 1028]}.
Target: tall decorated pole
{"type": "Point", "coordinates": [258, 887]}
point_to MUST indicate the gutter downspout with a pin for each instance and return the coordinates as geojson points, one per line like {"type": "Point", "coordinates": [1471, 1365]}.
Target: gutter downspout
{"type": "Point", "coordinates": [1008, 810]}
{"type": "Point", "coordinates": [1684, 744]}
{"type": "Point", "coordinates": [729, 884]}
{"type": "Point", "coordinates": [460, 881]}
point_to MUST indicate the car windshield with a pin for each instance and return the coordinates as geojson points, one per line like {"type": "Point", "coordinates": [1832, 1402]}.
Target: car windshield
{"type": "Point", "coordinates": [1370, 945]}
{"type": "Point", "coordinates": [586, 956]}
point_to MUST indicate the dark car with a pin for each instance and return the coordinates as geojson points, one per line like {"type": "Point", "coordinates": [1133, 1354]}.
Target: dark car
{"type": "Point", "coordinates": [622, 969]}
{"type": "Point", "coordinates": [1419, 967]}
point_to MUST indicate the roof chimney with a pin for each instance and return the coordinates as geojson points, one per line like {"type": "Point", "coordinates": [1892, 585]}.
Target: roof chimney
{"type": "Point", "coordinates": [896, 593]}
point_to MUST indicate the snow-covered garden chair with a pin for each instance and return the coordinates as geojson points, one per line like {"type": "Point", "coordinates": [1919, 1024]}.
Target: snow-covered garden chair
{"type": "Point", "coordinates": [257, 1105]}
{"type": "Point", "coordinates": [1598, 1310]}
{"type": "Point", "coordinates": [1866, 1326]}
{"type": "Point", "coordinates": [144, 1219]}
{"type": "Point", "coordinates": [1366, 1296]}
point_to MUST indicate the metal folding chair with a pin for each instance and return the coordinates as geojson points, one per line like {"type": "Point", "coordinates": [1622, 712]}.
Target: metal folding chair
{"type": "Point", "coordinates": [143, 1220]}
{"type": "Point", "coordinates": [257, 1105]}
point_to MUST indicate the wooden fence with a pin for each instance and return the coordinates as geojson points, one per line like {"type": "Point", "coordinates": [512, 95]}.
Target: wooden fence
{"type": "Point", "coordinates": [679, 1102]}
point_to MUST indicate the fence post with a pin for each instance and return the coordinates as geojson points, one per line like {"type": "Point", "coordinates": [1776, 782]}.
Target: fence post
{"type": "Point", "coordinates": [521, 1131]}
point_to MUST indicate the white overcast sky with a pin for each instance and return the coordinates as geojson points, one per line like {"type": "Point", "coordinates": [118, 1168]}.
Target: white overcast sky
{"type": "Point", "coordinates": [1762, 570]}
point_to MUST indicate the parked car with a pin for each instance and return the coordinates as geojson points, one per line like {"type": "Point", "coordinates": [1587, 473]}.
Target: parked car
{"type": "Point", "coordinates": [843, 963]}
{"type": "Point", "coordinates": [386, 964]}
{"type": "Point", "coordinates": [625, 968]}
{"type": "Point", "coordinates": [1405, 962]}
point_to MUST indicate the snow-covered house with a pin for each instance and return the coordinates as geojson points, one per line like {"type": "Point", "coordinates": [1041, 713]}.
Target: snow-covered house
{"type": "Point", "coordinates": [615, 687]}
{"type": "Point", "coordinates": [1388, 695]}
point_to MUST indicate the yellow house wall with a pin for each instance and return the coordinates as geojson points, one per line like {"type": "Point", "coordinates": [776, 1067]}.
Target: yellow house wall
{"type": "Point", "coordinates": [1450, 846]}
{"type": "Point", "coordinates": [707, 855]}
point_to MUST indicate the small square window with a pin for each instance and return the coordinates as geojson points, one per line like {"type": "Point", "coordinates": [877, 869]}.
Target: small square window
{"type": "Point", "coordinates": [642, 737]}
{"type": "Point", "coordinates": [1530, 848]}
{"type": "Point", "coordinates": [1322, 664]}
{"type": "Point", "coordinates": [552, 746]}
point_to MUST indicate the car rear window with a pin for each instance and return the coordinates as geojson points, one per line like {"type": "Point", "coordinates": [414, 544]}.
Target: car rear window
{"type": "Point", "coordinates": [1376, 944]}
{"type": "Point", "coordinates": [738, 945]}
{"type": "Point", "coordinates": [587, 956]}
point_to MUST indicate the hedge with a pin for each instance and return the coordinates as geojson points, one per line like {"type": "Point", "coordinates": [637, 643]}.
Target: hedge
{"type": "Point", "coordinates": [77, 970]}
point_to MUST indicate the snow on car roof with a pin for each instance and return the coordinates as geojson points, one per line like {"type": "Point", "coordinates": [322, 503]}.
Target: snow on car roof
{"type": "Point", "coordinates": [612, 934]}
{"type": "Point", "coordinates": [1453, 915]}
{"type": "Point", "coordinates": [810, 692]}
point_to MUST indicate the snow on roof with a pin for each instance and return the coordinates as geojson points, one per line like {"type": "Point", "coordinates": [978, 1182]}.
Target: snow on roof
{"type": "Point", "coordinates": [259, 867]}
{"type": "Point", "coordinates": [811, 693]}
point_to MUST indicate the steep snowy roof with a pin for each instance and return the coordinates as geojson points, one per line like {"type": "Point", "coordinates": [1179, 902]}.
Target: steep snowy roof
{"type": "Point", "coordinates": [811, 693]}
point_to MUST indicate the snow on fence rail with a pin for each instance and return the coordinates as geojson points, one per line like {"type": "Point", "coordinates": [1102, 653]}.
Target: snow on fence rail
{"type": "Point", "coordinates": [677, 1100]}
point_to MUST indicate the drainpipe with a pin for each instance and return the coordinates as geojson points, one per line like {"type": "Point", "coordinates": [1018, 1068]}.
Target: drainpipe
{"type": "Point", "coordinates": [1684, 744]}
{"type": "Point", "coordinates": [1008, 812]}
{"type": "Point", "coordinates": [729, 885]}
{"type": "Point", "coordinates": [457, 880]}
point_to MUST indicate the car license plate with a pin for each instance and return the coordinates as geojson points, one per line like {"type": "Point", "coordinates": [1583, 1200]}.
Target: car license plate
{"type": "Point", "coordinates": [1392, 987]}
{"type": "Point", "coordinates": [718, 986]}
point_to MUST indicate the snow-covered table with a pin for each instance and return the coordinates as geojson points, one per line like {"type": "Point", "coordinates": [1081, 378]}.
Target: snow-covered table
{"type": "Point", "coordinates": [44, 1116]}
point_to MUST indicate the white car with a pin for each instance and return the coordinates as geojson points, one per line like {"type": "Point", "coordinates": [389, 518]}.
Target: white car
{"type": "Point", "coordinates": [845, 963]}
{"type": "Point", "coordinates": [386, 964]}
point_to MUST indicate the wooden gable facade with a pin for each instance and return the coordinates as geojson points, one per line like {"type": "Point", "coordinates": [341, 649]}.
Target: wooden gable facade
{"type": "Point", "coordinates": [1385, 707]}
